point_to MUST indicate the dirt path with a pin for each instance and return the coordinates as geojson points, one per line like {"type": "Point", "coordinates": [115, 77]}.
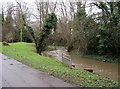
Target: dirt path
{"type": "Point", "coordinates": [16, 74]}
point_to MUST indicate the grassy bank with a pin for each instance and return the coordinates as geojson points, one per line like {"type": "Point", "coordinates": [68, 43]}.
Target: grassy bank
{"type": "Point", "coordinates": [0, 47]}
{"type": "Point", "coordinates": [26, 53]}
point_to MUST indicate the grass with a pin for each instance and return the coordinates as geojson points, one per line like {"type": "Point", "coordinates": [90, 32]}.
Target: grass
{"type": "Point", "coordinates": [0, 47]}
{"type": "Point", "coordinates": [26, 53]}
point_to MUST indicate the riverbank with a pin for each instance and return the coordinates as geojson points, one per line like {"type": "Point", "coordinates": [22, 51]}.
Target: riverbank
{"type": "Point", "coordinates": [93, 57]}
{"type": "Point", "coordinates": [97, 57]}
{"type": "Point", "coordinates": [100, 67]}
{"type": "Point", "coordinates": [26, 53]}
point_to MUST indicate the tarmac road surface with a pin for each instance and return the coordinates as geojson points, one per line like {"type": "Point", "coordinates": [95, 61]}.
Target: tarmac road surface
{"type": "Point", "coordinates": [16, 74]}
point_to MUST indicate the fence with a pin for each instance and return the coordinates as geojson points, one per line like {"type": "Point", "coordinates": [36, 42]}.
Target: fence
{"type": "Point", "coordinates": [66, 59]}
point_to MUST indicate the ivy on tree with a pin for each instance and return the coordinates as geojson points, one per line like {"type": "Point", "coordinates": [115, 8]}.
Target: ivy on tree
{"type": "Point", "coordinates": [50, 23]}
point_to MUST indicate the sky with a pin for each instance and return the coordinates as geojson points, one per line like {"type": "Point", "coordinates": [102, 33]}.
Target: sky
{"type": "Point", "coordinates": [32, 1]}
{"type": "Point", "coordinates": [3, 2]}
{"type": "Point", "coordinates": [31, 4]}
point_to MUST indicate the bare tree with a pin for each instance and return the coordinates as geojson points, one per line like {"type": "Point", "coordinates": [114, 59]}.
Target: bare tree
{"type": "Point", "coordinates": [21, 15]}
{"type": "Point", "coordinates": [7, 22]}
{"type": "Point", "coordinates": [43, 9]}
{"type": "Point", "coordinates": [68, 10]}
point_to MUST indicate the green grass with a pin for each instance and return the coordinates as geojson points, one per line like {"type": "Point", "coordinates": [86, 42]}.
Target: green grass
{"type": "Point", "coordinates": [0, 47]}
{"type": "Point", "coordinates": [26, 53]}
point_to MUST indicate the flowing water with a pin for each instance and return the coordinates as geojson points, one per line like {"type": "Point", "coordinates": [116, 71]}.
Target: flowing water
{"type": "Point", "coordinates": [102, 68]}
{"type": "Point", "coordinates": [106, 69]}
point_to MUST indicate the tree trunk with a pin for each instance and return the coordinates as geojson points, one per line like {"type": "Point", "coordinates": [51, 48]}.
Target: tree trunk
{"type": "Point", "coordinates": [20, 35]}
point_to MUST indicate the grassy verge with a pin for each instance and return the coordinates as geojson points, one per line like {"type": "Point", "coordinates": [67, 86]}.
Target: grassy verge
{"type": "Point", "coordinates": [0, 47]}
{"type": "Point", "coordinates": [25, 53]}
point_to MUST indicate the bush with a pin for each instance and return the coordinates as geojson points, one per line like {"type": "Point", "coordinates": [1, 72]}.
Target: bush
{"type": "Point", "coordinates": [106, 42]}
{"type": "Point", "coordinates": [56, 39]}
{"type": "Point", "coordinates": [25, 37]}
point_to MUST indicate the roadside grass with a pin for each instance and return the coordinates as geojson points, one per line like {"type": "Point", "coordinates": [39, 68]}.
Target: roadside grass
{"type": "Point", "coordinates": [26, 53]}
{"type": "Point", "coordinates": [0, 47]}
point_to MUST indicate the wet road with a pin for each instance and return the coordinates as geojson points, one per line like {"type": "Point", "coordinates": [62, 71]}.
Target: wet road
{"type": "Point", "coordinates": [0, 71]}
{"type": "Point", "coordinates": [16, 74]}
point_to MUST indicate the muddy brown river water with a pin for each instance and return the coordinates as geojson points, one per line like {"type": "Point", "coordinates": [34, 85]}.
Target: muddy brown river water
{"type": "Point", "coordinates": [109, 70]}
{"type": "Point", "coordinates": [106, 69]}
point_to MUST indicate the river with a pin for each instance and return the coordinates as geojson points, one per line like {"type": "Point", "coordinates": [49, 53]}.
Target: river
{"type": "Point", "coordinates": [102, 68]}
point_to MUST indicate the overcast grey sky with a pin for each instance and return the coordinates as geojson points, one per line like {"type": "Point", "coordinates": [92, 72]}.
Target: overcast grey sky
{"type": "Point", "coordinates": [32, 4]}
{"type": "Point", "coordinates": [32, 7]}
